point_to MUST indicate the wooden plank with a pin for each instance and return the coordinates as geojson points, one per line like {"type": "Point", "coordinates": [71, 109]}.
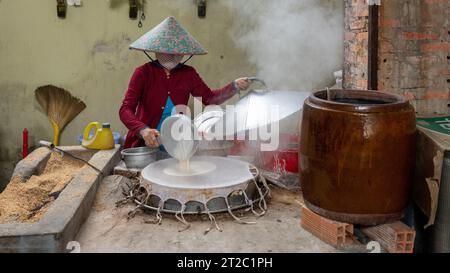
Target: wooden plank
{"type": "Point", "coordinates": [373, 48]}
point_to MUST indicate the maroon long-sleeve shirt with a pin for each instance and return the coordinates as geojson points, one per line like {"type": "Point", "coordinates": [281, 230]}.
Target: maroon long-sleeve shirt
{"type": "Point", "coordinates": [149, 89]}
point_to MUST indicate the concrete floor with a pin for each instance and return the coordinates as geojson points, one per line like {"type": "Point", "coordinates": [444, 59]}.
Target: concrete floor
{"type": "Point", "coordinates": [107, 229]}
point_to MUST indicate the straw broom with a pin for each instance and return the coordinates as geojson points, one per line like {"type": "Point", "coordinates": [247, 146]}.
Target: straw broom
{"type": "Point", "coordinates": [60, 106]}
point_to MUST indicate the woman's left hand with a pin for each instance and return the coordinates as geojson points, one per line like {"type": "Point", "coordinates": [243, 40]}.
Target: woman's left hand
{"type": "Point", "coordinates": [243, 83]}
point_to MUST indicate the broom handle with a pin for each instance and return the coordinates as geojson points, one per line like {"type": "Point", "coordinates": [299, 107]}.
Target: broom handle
{"type": "Point", "coordinates": [55, 133]}
{"type": "Point", "coordinates": [52, 147]}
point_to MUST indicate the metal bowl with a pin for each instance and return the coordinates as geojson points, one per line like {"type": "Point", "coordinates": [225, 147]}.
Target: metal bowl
{"type": "Point", "coordinates": [139, 158]}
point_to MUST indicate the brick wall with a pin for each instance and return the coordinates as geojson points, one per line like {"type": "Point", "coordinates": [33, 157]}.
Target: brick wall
{"type": "Point", "coordinates": [355, 44]}
{"type": "Point", "coordinates": [414, 51]}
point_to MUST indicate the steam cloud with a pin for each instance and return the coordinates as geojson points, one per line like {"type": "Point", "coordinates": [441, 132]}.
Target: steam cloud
{"type": "Point", "coordinates": [294, 44]}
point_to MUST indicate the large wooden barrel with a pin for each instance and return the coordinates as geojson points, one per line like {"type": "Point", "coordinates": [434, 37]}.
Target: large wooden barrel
{"type": "Point", "coordinates": [357, 153]}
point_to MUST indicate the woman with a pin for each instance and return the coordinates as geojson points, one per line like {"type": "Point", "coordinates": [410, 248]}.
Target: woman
{"type": "Point", "coordinates": [157, 86]}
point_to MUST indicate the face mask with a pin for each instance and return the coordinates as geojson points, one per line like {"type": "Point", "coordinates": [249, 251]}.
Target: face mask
{"type": "Point", "coordinates": [169, 61]}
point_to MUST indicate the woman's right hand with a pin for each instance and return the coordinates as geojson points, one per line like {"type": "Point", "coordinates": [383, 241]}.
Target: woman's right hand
{"type": "Point", "coordinates": [150, 137]}
{"type": "Point", "coordinates": [243, 83]}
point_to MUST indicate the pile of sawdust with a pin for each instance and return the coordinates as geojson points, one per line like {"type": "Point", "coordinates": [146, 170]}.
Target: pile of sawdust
{"type": "Point", "coordinates": [28, 201]}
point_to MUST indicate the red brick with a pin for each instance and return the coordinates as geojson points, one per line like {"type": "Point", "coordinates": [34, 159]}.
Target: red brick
{"type": "Point", "coordinates": [362, 36]}
{"type": "Point", "coordinates": [361, 59]}
{"type": "Point", "coordinates": [432, 2]}
{"type": "Point", "coordinates": [435, 47]}
{"type": "Point", "coordinates": [409, 96]}
{"type": "Point", "coordinates": [362, 84]}
{"type": "Point", "coordinates": [394, 237]}
{"type": "Point", "coordinates": [418, 36]}
{"type": "Point", "coordinates": [445, 72]}
{"type": "Point", "coordinates": [349, 36]}
{"type": "Point", "coordinates": [358, 24]}
{"type": "Point", "coordinates": [332, 232]}
{"type": "Point", "coordinates": [437, 95]}
{"type": "Point", "coordinates": [389, 22]}
{"type": "Point", "coordinates": [362, 9]}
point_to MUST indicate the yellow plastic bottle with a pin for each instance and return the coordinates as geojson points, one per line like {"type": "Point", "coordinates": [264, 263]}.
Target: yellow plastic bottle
{"type": "Point", "coordinates": [103, 138]}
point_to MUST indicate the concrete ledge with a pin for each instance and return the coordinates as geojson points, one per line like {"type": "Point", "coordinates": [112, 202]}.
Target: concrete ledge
{"type": "Point", "coordinates": [32, 164]}
{"type": "Point", "coordinates": [67, 213]}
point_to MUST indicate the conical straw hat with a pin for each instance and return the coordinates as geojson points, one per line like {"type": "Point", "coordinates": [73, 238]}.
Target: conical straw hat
{"type": "Point", "coordinates": [169, 37]}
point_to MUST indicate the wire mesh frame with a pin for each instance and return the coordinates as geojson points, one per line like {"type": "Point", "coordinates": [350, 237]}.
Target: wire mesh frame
{"type": "Point", "coordinates": [262, 192]}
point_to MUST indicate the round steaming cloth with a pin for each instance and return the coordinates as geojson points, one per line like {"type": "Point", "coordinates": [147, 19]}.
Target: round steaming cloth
{"type": "Point", "coordinates": [221, 177]}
